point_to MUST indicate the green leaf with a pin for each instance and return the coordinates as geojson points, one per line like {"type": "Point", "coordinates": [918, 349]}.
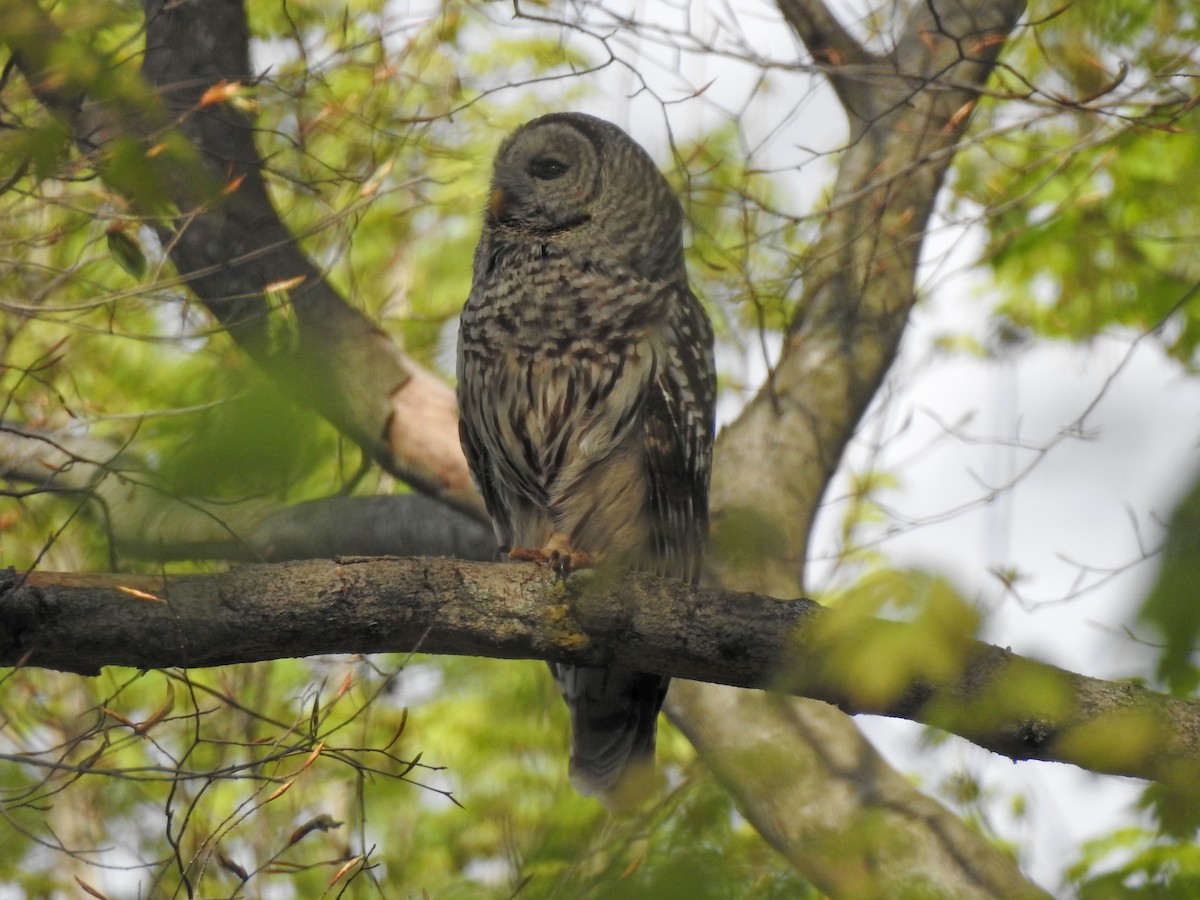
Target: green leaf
{"type": "Point", "coordinates": [1171, 607]}
{"type": "Point", "coordinates": [127, 251]}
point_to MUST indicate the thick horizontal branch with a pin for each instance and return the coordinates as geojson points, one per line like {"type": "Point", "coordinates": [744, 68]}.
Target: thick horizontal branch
{"type": "Point", "coordinates": [1011, 705]}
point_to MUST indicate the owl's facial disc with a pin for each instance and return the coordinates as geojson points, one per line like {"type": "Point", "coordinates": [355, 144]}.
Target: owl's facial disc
{"type": "Point", "coordinates": [545, 178]}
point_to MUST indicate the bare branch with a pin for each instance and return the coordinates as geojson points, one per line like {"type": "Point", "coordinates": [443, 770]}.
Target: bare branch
{"type": "Point", "coordinates": [55, 461]}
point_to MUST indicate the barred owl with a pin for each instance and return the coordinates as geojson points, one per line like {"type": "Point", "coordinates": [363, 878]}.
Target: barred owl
{"type": "Point", "coordinates": [586, 387]}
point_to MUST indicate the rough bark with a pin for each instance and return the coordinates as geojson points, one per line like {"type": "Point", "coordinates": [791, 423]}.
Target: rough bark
{"type": "Point", "coordinates": [80, 623]}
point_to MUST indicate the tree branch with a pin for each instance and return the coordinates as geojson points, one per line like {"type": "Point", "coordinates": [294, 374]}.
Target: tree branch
{"type": "Point", "coordinates": [230, 254]}
{"type": "Point", "coordinates": [847, 64]}
{"type": "Point", "coordinates": [812, 736]}
{"type": "Point", "coordinates": [231, 247]}
{"type": "Point", "coordinates": [949, 680]}
{"type": "Point", "coordinates": [783, 753]}
{"type": "Point", "coordinates": [773, 464]}
{"type": "Point", "coordinates": [146, 518]}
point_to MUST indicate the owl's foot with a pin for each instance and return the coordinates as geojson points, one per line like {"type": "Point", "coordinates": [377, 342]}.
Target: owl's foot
{"type": "Point", "coordinates": [561, 561]}
{"type": "Point", "coordinates": [564, 564]}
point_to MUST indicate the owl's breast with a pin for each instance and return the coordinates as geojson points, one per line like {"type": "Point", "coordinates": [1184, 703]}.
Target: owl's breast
{"type": "Point", "coordinates": [556, 352]}
{"type": "Point", "coordinates": [540, 300]}
{"type": "Point", "coordinates": [544, 416]}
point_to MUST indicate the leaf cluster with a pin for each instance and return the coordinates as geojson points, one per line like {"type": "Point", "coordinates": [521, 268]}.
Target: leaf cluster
{"type": "Point", "coordinates": [1089, 225]}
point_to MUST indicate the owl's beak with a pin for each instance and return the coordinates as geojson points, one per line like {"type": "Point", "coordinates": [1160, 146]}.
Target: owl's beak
{"type": "Point", "coordinates": [496, 203]}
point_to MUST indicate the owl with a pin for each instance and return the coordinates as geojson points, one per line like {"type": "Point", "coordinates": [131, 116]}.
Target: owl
{"type": "Point", "coordinates": [586, 387]}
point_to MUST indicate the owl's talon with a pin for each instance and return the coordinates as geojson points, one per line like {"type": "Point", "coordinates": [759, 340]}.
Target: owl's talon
{"type": "Point", "coordinates": [561, 564]}
{"type": "Point", "coordinates": [566, 563]}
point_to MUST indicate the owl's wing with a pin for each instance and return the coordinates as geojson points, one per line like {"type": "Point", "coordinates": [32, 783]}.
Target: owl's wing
{"type": "Point", "coordinates": [614, 712]}
{"type": "Point", "coordinates": [474, 449]}
{"type": "Point", "coordinates": [678, 423]}
{"type": "Point", "coordinates": [481, 472]}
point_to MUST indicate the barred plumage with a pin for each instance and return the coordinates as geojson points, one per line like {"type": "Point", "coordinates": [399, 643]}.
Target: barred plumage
{"type": "Point", "coordinates": [586, 387]}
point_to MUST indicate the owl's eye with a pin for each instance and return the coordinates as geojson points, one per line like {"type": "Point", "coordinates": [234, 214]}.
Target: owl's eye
{"type": "Point", "coordinates": [547, 168]}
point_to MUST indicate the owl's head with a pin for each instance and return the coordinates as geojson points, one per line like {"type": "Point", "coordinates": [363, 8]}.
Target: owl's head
{"type": "Point", "coordinates": [581, 180]}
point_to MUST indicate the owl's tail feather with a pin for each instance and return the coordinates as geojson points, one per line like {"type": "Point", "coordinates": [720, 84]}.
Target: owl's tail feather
{"type": "Point", "coordinates": [614, 720]}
